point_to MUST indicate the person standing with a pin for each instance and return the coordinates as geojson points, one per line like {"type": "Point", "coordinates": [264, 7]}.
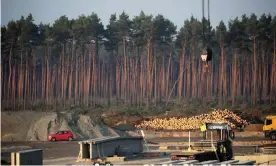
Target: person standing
{"type": "Point", "coordinates": [222, 150]}
{"type": "Point", "coordinates": [203, 130]}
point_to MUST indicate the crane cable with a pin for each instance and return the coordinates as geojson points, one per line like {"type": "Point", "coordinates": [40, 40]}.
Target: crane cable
{"type": "Point", "coordinates": [209, 26]}
{"type": "Point", "coordinates": [203, 27]}
{"type": "Point", "coordinates": [203, 24]}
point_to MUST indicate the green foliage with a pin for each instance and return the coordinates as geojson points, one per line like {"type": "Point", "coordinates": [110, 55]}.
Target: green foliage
{"type": "Point", "coordinates": [164, 30]}
{"type": "Point", "coordinates": [143, 29]}
{"type": "Point", "coordinates": [25, 34]}
{"type": "Point", "coordinates": [111, 42]}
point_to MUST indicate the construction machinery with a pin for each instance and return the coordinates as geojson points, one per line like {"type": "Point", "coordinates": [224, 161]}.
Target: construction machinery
{"type": "Point", "coordinates": [269, 127]}
{"type": "Point", "coordinates": [226, 135]}
{"type": "Point", "coordinates": [206, 54]}
{"type": "Point", "coordinates": [240, 126]}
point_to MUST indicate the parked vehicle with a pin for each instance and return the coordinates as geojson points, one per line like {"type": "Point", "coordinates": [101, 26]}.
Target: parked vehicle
{"type": "Point", "coordinates": [65, 135]}
{"type": "Point", "coordinates": [269, 127]}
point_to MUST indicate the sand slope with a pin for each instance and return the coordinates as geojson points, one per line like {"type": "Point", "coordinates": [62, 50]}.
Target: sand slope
{"type": "Point", "coordinates": [36, 126]}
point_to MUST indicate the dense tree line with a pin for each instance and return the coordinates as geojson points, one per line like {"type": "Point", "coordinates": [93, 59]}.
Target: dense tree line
{"type": "Point", "coordinates": [139, 61]}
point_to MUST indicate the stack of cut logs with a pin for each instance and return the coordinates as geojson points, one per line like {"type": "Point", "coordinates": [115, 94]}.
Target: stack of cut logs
{"type": "Point", "coordinates": [216, 116]}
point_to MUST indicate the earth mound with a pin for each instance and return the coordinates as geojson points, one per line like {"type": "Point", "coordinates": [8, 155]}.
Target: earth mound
{"type": "Point", "coordinates": [36, 126]}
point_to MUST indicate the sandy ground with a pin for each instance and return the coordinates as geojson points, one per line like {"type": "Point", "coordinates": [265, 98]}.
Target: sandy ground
{"type": "Point", "coordinates": [67, 152]}
{"type": "Point", "coordinates": [36, 126]}
{"type": "Point", "coordinates": [51, 150]}
{"type": "Point", "coordinates": [18, 128]}
{"type": "Point", "coordinates": [261, 159]}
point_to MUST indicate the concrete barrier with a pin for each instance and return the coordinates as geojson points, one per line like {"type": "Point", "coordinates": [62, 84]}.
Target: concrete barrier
{"type": "Point", "coordinates": [110, 146]}
{"type": "Point", "coordinates": [27, 157]}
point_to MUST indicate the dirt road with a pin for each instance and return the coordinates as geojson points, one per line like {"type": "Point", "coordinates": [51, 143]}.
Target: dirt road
{"type": "Point", "coordinates": [51, 150]}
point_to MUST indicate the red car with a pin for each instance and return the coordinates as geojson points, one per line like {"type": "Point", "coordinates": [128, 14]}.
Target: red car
{"type": "Point", "coordinates": [65, 135]}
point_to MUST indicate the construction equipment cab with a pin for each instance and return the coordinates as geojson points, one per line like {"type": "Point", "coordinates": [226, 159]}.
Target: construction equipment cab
{"type": "Point", "coordinates": [269, 127]}
{"type": "Point", "coordinates": [225, 141]}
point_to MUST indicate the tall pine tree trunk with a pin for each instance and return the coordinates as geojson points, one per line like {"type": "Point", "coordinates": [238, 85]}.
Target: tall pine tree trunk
{"type": "Point", "coordinates": [10, 74]}
{"type": "Point", "coordinates": [255, 70]}
{"type": "Point", "coordinates": [181, 71]}
{"type": "Point", "coordinates": [148, 71]}
{"type": "Point", "coordinates": [71, 62]}
{"type": "Point", "coordinates": [234, 78]}
{"type": "Point", "coordinates": [273, 74]}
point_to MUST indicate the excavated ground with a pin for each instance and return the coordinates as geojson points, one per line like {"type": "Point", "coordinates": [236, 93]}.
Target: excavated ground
{"type": "Point", "coordinates": [36, 126]}
{"type": "Point", "coordinates": [29, 129]}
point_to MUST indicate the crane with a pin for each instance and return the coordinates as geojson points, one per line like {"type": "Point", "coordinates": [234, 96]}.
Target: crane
{"type": "Point", "coordinates": [206, 55]}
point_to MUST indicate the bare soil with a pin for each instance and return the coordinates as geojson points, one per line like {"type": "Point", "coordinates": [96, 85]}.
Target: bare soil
{"type": "Point", "coordinates": [36, 126]}
{"type": "Point", "coordinates": [33, 126]}
{"type": "Point", "coordinates": [29, 129]}
{"type": "Point", "coordinates": [59, 152]}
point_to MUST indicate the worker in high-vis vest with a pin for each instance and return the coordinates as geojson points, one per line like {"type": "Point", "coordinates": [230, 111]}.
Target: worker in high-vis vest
{"type": "Point", "coordinates": [222, 151]}
{"type": "Point", "coordinates": [203, 130]}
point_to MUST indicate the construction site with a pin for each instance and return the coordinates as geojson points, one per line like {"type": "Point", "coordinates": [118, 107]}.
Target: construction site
{"type": "Point", "coordinates": [137, 88]}
{"type": "Point", "coordinates": [145, 146]}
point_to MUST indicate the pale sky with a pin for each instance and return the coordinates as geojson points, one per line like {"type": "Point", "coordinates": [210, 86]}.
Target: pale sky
{"type": "Point", "coordinates": [47, 11]}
